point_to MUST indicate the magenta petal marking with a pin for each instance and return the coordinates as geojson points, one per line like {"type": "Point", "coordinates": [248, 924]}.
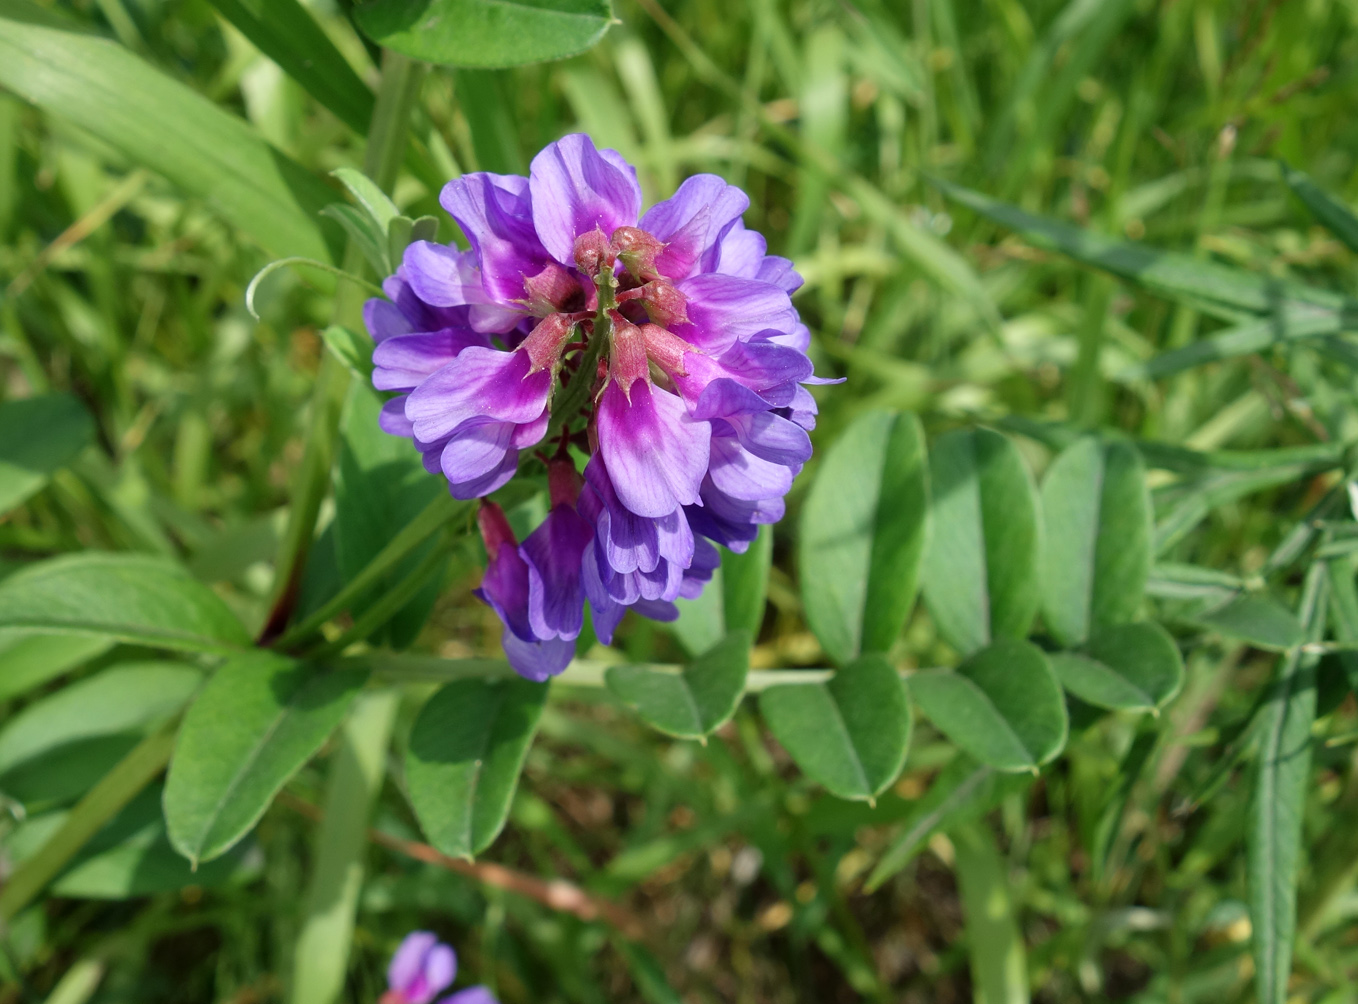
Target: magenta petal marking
{"type": "Point", "coordinates": [422, 968]}
{"type": "Point", "coordinates": [576, 188]}
{"type": "Point", "coordinates": [479, 383]}
{"type": "Point", "coordinates": [692, 222]}
{"type": "Point", "coordinates": [655, 453]}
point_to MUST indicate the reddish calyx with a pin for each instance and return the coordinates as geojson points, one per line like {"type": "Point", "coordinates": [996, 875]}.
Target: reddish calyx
{"type": "Point", "coordinates": [495, 533]}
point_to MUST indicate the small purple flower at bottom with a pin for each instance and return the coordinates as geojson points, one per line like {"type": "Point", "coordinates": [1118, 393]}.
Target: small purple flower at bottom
{"type": "Point", "coordinates": [422, 968]}
{"type": "Point", "coordinates": [663, 346]}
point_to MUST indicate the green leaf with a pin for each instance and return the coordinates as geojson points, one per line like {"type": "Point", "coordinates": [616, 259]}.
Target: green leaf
{"type": "Point", "coordinates": [28, 659]}
{"type": "Point", "coordinates": [352, 349]}
{"type": "Point", "coordinates": [364, 233]}
{"type": "Point", "coordinates": [745, 584]}
{"type": "Point", "coordinates": [287, 33]}
{"type": "Point", "coordinates": [380, 487]}
{"type": "Point", "coordinates": [1217, 289]}
{"type": "Point", "coordinates": [862, 535]}
{"type": "Point", "coordinates": [485, 33]}
{"type": "Point", "coordinates": [130, 597]}
{"type": "Point", "coordinates": [368, 194]}
{"type": "Point", "coordinates": [693, 702]}
{"type": "Point", "coordinates": [123, 698]}
{"type": "Point", "coordinates": [849, 734]}
{"type": "Point", "coordinates": [981, 567]}
{"type": "Point", "coordinates": [1282, 779]}
{"type": "Point", "coordinates": [125, 102]}
{"type": "Point", "coordinates": [1260, 620]}
{"type": "Point", "coordinates": [466, 751]}
{"type": "Point", "coordinates": [1328, 211]}
{"type": "Point", "coordinates": [999, 971]}
{"type": "Point", "coordinates": [1343, 611]}
{"type": "Point", "coordinates": [258, 720]}
{"type": "Point", "coordinates": [1003, 705]}
{"type": "Point", "coordinates": [1133, 667]}
{"type": "Point", "coordinates": [1098, 541]}
{"type": "Point", "coordinates": [1293, 323]}
{"type": "Point", "coordinates": [38, 435]}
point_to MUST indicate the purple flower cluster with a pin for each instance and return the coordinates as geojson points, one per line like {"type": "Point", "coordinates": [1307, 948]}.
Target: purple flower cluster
{"type": "Point", "coordinates": [422, 968]}
{"type": "Point", "coordinates": [664, 347]}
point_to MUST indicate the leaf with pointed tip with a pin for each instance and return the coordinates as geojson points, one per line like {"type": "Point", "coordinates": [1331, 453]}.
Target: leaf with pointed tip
{"type": "Point", "coordinates": [258, 720]}
{"type": "Point", "coordinates": [30, 658]}
{"type": "Point", "coordinates": [1131, 667]}
{"type": "Point", "coordinates": [981, 567]}
{"type": "Point", "coordinates": [38, 435]}
{"type": "Point", "coordinates": [1003, 705]}
{"type": "Point", "coordinates": [849, 734]}
{"type": "Point", "coordinates": [485, 33]}
{"type": "Point", "coordinates": [1098, 542]}
{"type": "Point", "coordinates": [1260, 620]}
{"type": "Point", "coordinates": [364, 233]}
{"type": "Point", "coordinates": [131, 597]}
{"type": "Point", "coordinates": [693, 702]}
{"type": "Point", "coordinates": [863, 533]}
{"type": "Point", "coordinates": [466, 751]}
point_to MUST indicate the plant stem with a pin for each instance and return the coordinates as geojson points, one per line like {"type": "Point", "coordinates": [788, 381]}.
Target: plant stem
{"type": "Point", "coordinates": [100, 804]}
{"type": "Point", "coordinates": [401, 79]}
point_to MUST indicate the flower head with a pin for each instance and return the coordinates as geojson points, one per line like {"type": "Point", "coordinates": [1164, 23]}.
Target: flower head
{"type": "Point", "coordinates": [422, 968]}
{"type": "Point", "coordinates": [664, 346]}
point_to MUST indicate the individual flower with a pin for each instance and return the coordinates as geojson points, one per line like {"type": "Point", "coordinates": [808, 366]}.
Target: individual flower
{"type": "Point", "coordinates": [422, 968]}
{"type": "Point", "coordinates": [664, 347]}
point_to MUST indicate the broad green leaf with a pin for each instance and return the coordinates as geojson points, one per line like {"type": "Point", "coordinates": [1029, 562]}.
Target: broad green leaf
{"type": "Point", "coordinates": [485, 33]}
{"type": "Point", "coordinates": [1282, 779]}
{"type": "Point", "coordinates": [466, 751]}
{"type": "Point", "coordinates": [38, 435]}
{"type": "Point", "coordinates": [964, 790]}
{"type": "Point", "coordinates": [125, 102]}
{"type": "Point", "coordinates": [123, 698]}
{"type": "Point", "coordinates": [364, 233]}
{"type": "Point", "coordinates": [258, 720]}
{"type": "Point", "coordinates": [28, 659]}
{"type": "Point", "coordinates": [287, 33]}
{"type": "Point", "coordinates": [1003, 705]}
{"type": "Point", "coordinates": [693, 702]}
{"type": "Point", "coordinates": [369, 195]}
{"type": "Point", "coordinates": [130, 597]}
{"type": "Point", "coordinates": [1260, 620]}
{"type": "Point", "coordinates": [1336, 217]}
{"type": "Point", "coordinates": [1217, 289]}
{"type": "Point", "coordinates": [863, 532]}
{"type": "Point", "coordinates": [352, 349]}
{"type": "Point", "coordinates": [745, 584]}
{"type": "Point", "coordinates": [1097, 553]}
{"type": "Point", "coordinates": [380, 487]}
{"type": "Point", "coordinates": [1134, 667]}
{"type": "Point", "coordinates": [849, 734]}
{"type": "Point", "coordinates": [981, 567]}
{"type": "Point", "coordinates": [702, 620]}
{"type": "Point", "coordinates": [999, 971]}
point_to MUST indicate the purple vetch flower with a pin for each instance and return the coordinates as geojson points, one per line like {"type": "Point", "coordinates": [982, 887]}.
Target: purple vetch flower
{"type": "Point", "coordinates": [663, 346]}
{"type": "Point", "coordinates": [422, 968]}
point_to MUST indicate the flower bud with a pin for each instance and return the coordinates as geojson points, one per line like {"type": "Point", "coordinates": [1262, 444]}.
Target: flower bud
{"type": "Point", "coordinates": [563, 481]}
{"type": "Point", "coordinates": [545, 342]}
{"type": "Point", "coordinates": [551, 290]}
{"type": "Point", "coordinates": [638, 251]}
{"type": "Point", "coordinates": [664, 304]}
{"type": "Point", "coordinates": [665, 349]}
{"type": "Point", "coordinates": [593, 255]}
{"type": "Point", "coordinates": [495, 529]}
{"type": "Point", "coordinates": [627, 358]}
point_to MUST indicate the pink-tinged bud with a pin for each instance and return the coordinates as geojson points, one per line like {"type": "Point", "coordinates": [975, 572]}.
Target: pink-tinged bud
{"type": "Point", "coordinates": [627, 360]}
{"type": "Point", "coordinates": [545, 342]}
{"type": "Point", "coordinates": [664, 304]}
{"type": "Point", "coordinates": [666, 349]}
{"type": "Point", "coordinates": [593, 256]}
{"type": "Point", "coordinates": [638, 251]}
{"type": "Point", "coordinates": [495, 529]}
{"type": "Point", "coordinates": [563, 481]}
{"type": "Point", "coordinates": [551, 290]}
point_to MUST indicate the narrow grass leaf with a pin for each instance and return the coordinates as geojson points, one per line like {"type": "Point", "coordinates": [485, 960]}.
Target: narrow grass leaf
{"type": "Point", "coordinates": [1003, 705]}
{"type": "Point", "coordinates": [999, 969]}
{"type": "Point", "coordinates": [129, 597]}
{"type": "Point", "coordinates": [981, 568]}
{"type": "Point", "coordinates": [849, 734]}
{"type": "Point", "coordinates": [863, 533]}
{"type": "Point", "coordinates": [694, 702]}
{"type": "Point", "coordinates": [466, 751]}
{"type": "Point", "coordinates": [1098, 542]}
{"type": "Point", "coordinates": [1332, 214]}
{"type": "Point", "coordinates": [38, 435]}
{"type": "Point", "coordinates": [485, 33]}
{"type": "Point", "coordinates": [1129, 667]}
{"type": "Point", "coordinates": [260, 718]}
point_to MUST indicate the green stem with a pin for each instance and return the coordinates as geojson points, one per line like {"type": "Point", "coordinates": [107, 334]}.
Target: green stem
{"type": "Point", "coordinates": [401, 79]}
{"type": "Point", "coordinates": [100, 804]}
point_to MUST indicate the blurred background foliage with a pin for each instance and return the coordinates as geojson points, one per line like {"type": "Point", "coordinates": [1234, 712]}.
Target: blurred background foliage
{"type": "Point", "coordinates": [1159, 122]}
